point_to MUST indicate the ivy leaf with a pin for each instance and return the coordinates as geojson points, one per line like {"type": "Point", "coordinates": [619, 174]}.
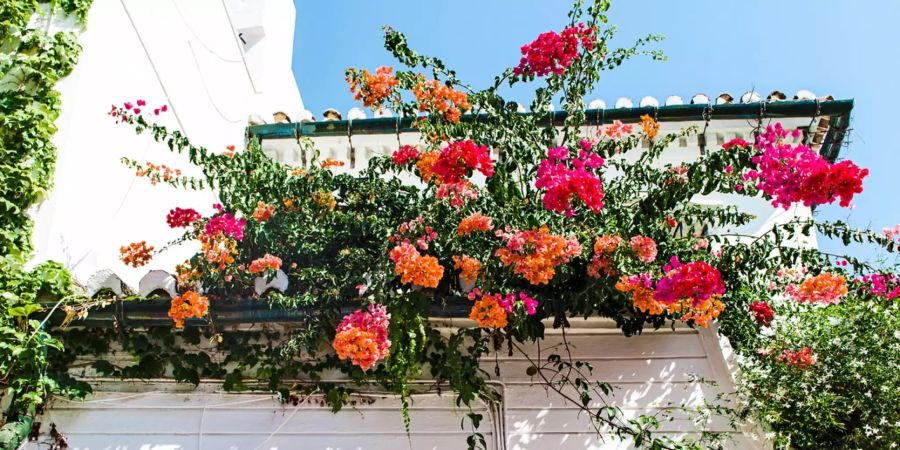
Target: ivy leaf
{"type": "Point", "coordinates": [103, 367]}
{"type": "Point", "coordinates": [234, 382]}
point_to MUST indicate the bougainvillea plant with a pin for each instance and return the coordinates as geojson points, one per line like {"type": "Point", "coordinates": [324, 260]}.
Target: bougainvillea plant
{"type": "Point", "coordinates": [523, 222]}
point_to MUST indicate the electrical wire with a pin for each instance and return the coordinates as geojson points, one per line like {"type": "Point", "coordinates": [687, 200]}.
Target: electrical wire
{"type": "Point", "coordinates": [202, 43]}
{"type": "Point", "coordinates": [206, 87]}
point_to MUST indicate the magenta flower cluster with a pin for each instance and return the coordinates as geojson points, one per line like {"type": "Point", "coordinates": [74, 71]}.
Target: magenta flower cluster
{"type": "Point", "coordinates": [561, 178]}
{"type": "Point", "coordinates": [182, 217]}
{"type": "Point", "coordinates": [553, 52]}
{"type": "Point", "coordinates": [887, 286]}
{"type": "Point", "coordinates": [796, 173]}
{"type": "Point", "coordinates": [226, 224]}
{"type": "Point", "coordinates": [404, 155]}
{"type": "Point", "coordinates": [696, 280]}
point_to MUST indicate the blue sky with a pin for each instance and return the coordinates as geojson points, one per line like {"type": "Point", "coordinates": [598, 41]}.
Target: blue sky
{"type": "Point", "coordinates": [826, 46]}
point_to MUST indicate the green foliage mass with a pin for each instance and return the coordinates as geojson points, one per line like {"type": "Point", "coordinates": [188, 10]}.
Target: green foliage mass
{"type": "Point", "coordinates": [31, 63]}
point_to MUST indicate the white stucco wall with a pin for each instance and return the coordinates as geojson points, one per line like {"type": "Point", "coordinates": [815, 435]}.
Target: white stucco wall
{"type": "Point", "coordinates": [182, 53]}
{"type": "Point", "coordinates": [656, 373]}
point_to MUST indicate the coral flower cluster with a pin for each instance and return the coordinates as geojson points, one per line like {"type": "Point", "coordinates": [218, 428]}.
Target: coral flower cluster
{"type": "Point", "coordinates": [187, 305]}
{"type": "Point", "coordinates": [372, 89]}
{"type": "Point", "coordinates": [562, 179]}
{"type": "Point", "coordinates": [324, 200]}
{"type": "Point", "coordinates": [797, 174]}
{"type": "Point", "coordinates": [263, 212]}
{"type": "Point", "coordinates": [181, 217]}
{"type": "Point", "coordinates": [644, 248]}
{"type": "Point", "coordinates": [473, 223]}
{"type": "Point", "coordinates": [602, 261]}
{"type": "Point", "coordinates": [267, 262]}
{"type": "Point", "coordinates": [535, 254]}
{"type": "Point", "coordinates": [330, 162]}
{"type": "Point", "coordinates": [218, 249]}
{"type": "Point", "coordinates": [136, 254]}
{"type": "Point", "coordinates": [553, 52]}
{"type": "Point", "coordinates": [617, 130]}
{"type": "Point", "coordinates": [157, 173]}
{"type": "Point", "coordinates": [362, 337]}
{"type": "Point", "coordinates": [801, 359]}
{"type": "Point", "coordinates": [414, 268]}
{"type": "Point", "coordinates": [441, 99]}
{"type": "Point", "coordinates": [825, 289]}
{"type": "Point", "coordinates": [186, 275]}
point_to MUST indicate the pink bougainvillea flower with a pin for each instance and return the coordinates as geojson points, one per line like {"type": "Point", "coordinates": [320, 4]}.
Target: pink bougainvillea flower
{"type": "Point", "coordinates": [460, 159]}
{"type": "Point", "coordinates": [695, 281]}
{"type": "Point", "coordinates": [887, 286]}
{"type": "Point", "coordinates": [405, 155]}
{"type": "Point", "coordinates": [797, 174]}
{"type": "Point", "coordinates": [553, 52]}
{"type": "Point", "coordinates": [563, 179]}
{"type": "Point", "coordinates": [226, 224]}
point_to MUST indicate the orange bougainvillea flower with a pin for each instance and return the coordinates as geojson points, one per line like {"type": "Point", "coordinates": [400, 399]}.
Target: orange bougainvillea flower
{"type": "Point", "coordinates": [435, 96]}
{"type": "Point", "coordinates": [373, 90]}
{"type": "Point", "coordinates": [324, 200]}
{"type": "Point", "coordinates": [187, 305]}
{"type": "Point", "coordinates": [488, 312]}
{"type": "Point", "coordinates": [267, 262]}
{"type": "Point", "coordinates": [469, 268]}
{"type": "Point", "coordinates": [641, 289]}
{"type": "Point", "coordinates": [425, 164]}
{"type": "Point", "coordinates": [414, 268]}
{"type": "Point", "coordinates": [329, 163]}
{"type": "Point", "coordinates": [229, 151]}
{"type": "Point", "coordinates": [535, 254]}
{"type": "Point", "coordinates": [186, 275]}
{"type": "Point", "coordinates": [263, 212]}
{"type": "Point", "coordinates": [476, 222]}
{"type": "Point", "coordinates": [136, 254]}
{"type": "Point", "coordinates": [701, 313]}
{"type": "Point", "coordinates": [650, 126]}
{"type": "Point", "coordinates": [156, 173]}
{"type": "Point", "coordinates": [218, 249]}
{"type": "Point", "coordinates": [602, 259]}
{"type": "Point", "coordinates": [606, 244]}
{"type": "Point", "coordinates": [825, 289]}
